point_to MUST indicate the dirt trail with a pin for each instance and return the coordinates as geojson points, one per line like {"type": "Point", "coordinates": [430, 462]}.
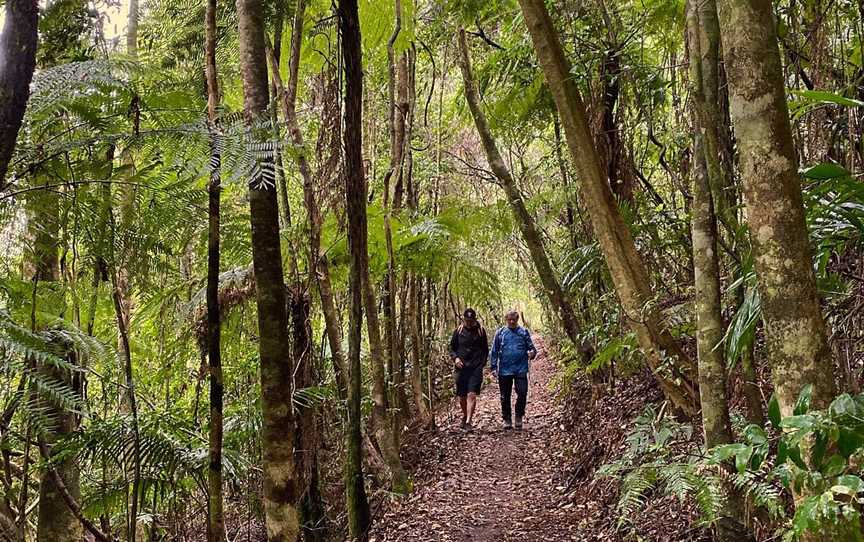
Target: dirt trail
{"type": "Point", "coordinates": [489, 485]}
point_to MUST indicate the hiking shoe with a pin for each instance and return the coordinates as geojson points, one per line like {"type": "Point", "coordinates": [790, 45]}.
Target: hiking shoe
{"type": "Point", "coordinates": [507, 425]}
{"type": "Point", "coordinates": [468, 427]}
{"type": "Point", "coordinates": [518, 422]}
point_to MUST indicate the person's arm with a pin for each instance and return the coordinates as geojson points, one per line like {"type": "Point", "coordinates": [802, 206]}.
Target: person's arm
{"type": "Point", "coordinates": [496, 351]}
{"type": "Point", "coordinates": [454, 348]}
{"type": "Point", "coordinates": [485, 337]}
{"type": "Point", "coordinates": [532, 352]}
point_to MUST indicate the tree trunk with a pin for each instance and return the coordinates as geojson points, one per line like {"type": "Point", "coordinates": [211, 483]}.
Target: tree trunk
{"type": "Point", "coordinates": [130, 402]}
{"type": "Point", "coordinates": [794, 327]}
{"type": "Point", "coordinates": [414, 324]}
{"type": "Point", "coordinates": [318, 266]}
{"type": "Point", "coordinates": [311, 506]}
{"type": "Point", "coordinates": [216, 515]}
{"type": "Point", "coordinates": [385, 415]}
{"type": "Point", "coordinates": [674, 369]}
{"type": "Point", "coordinates": [274, 346]}
{"type": "Point", "coordinates": [357, 504]}
{"type": "Point", "coordinates": [56, 522]}
{"type": "Point", "coordinates": [132, 30]}
{"type": "Point", "coordinates": [552, 288]}
{"type": "Point", "coordinates": [17, 62]}
{"type": "Point", "coordinates": [713, 395]}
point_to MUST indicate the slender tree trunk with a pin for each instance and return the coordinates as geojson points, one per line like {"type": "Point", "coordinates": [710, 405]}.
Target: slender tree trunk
{"type": "Point", "coordinates": [311, 506]}
{"type": "Point", "coordinates": [552, 288]}
{"type": "Point", "coordinates": [318, 265]}
{"type": "Point", "coordinates": [274, 346]}
{"type": "Point", "coordinates": [56, 522]}
{"type": "Point", "coordinates": [17, 62]}
{"type": "Point", "coordinates": [357, 504]}
{"type": "Point", "coordinates": [794, 327]}
{"type": "Point", "coordinates": [216, 516]}
{"type": "Point", "coordinates": [386, 415]}
{"type": "Point", "coordinates": [674, 370]}
{"type": "Point", "coordinates": [132, 30]}
{"type": "Point", "coordinates": [131, 403]}
{"type": "Point", "coordinates": [414, 323]}
{"type": "Point", "coordinates": [716, 426]}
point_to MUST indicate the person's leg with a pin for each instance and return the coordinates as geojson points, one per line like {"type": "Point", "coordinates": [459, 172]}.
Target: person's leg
{"type": "Point", "coordinates": [474, 385]}
{"type": "Point", "coordinates": [505, 384]}
{"type": "Point", "coordinates": [461, 393]}
{"type": "Point", "coordinates": [521, 382]}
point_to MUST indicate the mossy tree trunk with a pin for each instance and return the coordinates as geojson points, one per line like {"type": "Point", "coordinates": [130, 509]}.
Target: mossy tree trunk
{"type": "Point", "coordinates": [794, 326]}
{"type": "Point", "coordinates": [355, 203]}
{"type": "Point", "coordinates": [274, 344]}
{"type": "Point", "coordinates": [216, 514]}
{"type": "Point", "coordinates": [674, 369]}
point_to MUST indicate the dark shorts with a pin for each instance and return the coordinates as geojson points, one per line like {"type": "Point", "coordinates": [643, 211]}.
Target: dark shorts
{"type": "Point", "coordinates": [469, 380]}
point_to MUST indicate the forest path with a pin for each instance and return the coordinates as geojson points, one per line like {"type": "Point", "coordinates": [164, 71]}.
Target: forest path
{"type": "Point", "coordinates": [491, 484]}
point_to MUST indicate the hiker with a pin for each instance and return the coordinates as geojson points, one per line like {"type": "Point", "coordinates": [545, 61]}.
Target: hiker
{"type": "Point", "coordinates": [469, 348]}
{"type": "Point", "coordinates": [512, 349]}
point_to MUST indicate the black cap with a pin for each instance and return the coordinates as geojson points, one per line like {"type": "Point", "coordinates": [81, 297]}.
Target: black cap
{"type": "Point", "coordinates": [470, 314]}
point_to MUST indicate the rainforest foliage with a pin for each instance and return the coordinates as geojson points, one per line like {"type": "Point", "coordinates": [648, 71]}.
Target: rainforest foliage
{"type": "Point", "coordinates": [237, 236]}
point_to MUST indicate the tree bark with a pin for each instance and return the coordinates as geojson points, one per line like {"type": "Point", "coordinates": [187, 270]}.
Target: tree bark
{"type": "Point", "coordinates": [318, 265]}
{"type": "Point", "coordinates": [716, 426]}
{"type": "Point", "coordinates": [674, 369]}
{"type": "Point", "coordinates": [414, 324]}
{"type": "Point", "coordinates": [216, 516]}
{"type": "Point", "coordinates": [17, 62]}
{"type": "Point", "coordinates": [274, 346]}
{"type": "Point", "coordinates": [56, 522]}
{"type": "Point", "coordinates": [132, 30]}
{"type": "Point", "coordinates": [794, 327]}
{"type": "Point", "coordinates": [552, 288]}
{"type": "Point", "coordinates": [357, 504]}
{"type": "Point", "coordinates": [385, 414]}
{"type": "Point", "coordinates": [131, 402]}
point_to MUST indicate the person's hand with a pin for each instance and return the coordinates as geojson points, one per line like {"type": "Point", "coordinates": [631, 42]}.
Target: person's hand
{"type": "Point", "coordinates": [494, 374]}
{"type": "Point", "coordinates": [459, 363]}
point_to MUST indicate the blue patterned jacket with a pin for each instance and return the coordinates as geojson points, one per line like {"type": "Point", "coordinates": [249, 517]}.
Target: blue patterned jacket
{"type": "Point", "coordinates": [510, 347]}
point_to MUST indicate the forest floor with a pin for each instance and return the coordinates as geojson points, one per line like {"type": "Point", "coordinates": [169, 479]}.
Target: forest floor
{"type": "Point", "coordinates": [489, 484]}
{"type": "Point", "coordinates": [534, 484]}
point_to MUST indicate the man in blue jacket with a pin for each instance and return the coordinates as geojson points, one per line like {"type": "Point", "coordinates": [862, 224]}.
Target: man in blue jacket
{"type": "Point", "coordinates": [512, 349]}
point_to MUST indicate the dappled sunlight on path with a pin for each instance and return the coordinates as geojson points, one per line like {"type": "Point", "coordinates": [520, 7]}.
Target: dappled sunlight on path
{"type": "Point", "coordinates": [491, 484]}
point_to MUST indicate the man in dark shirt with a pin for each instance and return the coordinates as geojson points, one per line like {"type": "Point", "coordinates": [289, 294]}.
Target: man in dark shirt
{"type": "Point", "coordinates": [469, 348]}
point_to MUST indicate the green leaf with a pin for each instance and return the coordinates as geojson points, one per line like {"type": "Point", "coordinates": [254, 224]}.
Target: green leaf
{"type": "Point", "coordinates": [804, 422]}
{"type": "Point", "coordinates": [817, 451]}
{"type": "Point", "coordinates": [725, 451]}
{"type": "Point", "coordinates": [842, 405]}
{"type": "Point", "coordinates": [804, 514]}
{"type": "Point", "coordinates": [852, 484]}
{"type": "Point", "coordinates": [774, 411]}
{"type": "Point", "coordinates": [834, 466]}
{"type": "Point", "coordinates": [754, 434]}
{"type": "Point", "coordinates": [823, 97]}
{"type": "Point", "coordinates": [789, 452]}
{"type": "Point", "coordinates": [802, 405]}
{"type": "Point", "coordinates": [824, 171]}
{"type": "Point", "coordinates": [849, 441]}
{"type": "Point", "coordinates": [742, 459]}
